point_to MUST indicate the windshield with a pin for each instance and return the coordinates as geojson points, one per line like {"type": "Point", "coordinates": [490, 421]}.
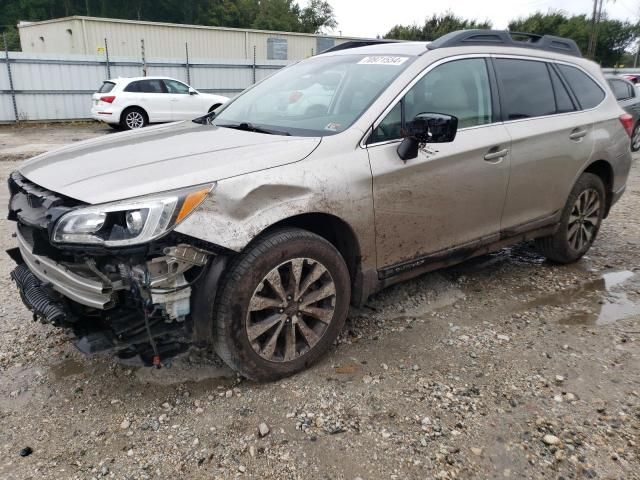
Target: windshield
{"type": "Point", "coordinates": [316, 97]}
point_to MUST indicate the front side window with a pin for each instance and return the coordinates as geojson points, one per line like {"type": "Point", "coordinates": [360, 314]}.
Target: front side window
{"type": "Point", "coordinates": [459, 88]}
{"type": "Point", "coordinates": [173, 86]}
{"type": "Point", "coordinates": [588, 92]}
{"type": "Point", "coordinates": [316, 97]}
{"type": "Point", "coordinates": [526, 88]}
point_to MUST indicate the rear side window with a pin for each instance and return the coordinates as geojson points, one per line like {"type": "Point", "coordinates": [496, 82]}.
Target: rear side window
{"type": "Point", "coordinates": [146, 86]}
{"type": "Point", "coordinates": [564, 103]}
{"type": "Point", "coordinates": [587, 91]}
{"type": "Point", "coordinates": [106, 87]}
{"type": "Point", "coordinates": [526, 88]}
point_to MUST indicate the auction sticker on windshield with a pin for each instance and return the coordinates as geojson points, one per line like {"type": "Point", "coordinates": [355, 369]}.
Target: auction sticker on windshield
{"type": "Point", "coordinates": [383, 60]}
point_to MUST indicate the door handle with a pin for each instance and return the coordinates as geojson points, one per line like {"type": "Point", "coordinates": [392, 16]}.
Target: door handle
{"type": "Point", "coordinates": [577, 134]}
{"type": "Point", "coordinates": [493, 155]}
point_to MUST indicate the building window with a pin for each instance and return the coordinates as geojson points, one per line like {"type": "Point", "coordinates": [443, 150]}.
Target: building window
{"type": "Point", "coordinates": [324, 43]}
{"type": "Point", "coordinates": [276, 49]}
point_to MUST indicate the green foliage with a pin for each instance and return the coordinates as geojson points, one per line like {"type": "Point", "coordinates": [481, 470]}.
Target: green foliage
{"type": "Point", "coordinates": [434, 27]}
{"type": "Point", "coordinates": [614, 36]}
{"type": "Point", "coordinates": [283, 15]}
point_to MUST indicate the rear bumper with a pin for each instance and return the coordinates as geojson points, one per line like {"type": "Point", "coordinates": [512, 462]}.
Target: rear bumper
{"type": "Point", "coordinates": [105, 114]}
{"type": "Point", "coordinates": [86, 291]}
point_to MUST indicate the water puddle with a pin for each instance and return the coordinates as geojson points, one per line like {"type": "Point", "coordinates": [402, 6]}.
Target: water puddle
{"type": "Point", "coordinates": [599, 302]}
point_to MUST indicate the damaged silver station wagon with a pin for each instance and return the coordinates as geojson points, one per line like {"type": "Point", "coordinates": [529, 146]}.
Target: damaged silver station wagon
{"type": "Point", "coordinates": [254, 228]}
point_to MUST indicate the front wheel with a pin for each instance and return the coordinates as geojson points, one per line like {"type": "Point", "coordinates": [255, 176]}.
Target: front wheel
{"type": "Point", "coordinates": [580, 222]}
{"type": "Point", "coordinates": [281, 304]}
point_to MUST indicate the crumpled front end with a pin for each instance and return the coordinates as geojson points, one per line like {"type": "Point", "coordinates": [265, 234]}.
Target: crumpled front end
{"type": "Point", "coordinates": [134, 302]}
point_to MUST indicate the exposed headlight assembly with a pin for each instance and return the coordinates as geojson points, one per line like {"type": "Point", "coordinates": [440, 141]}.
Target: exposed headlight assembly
{"type": "Point", "coordinates": [129, 222]}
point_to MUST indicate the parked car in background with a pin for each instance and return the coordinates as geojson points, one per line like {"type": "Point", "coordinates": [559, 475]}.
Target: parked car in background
{"type": "Point", "coordinates": [632, 77]}
{"type": "Point", "coordinates": [130, 103]}
{"type": "Point", "coordinates": [627, 97]}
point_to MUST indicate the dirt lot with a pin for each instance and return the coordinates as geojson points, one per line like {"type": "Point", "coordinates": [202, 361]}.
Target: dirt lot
{"type": "Point", "coordinates": [503, 367]}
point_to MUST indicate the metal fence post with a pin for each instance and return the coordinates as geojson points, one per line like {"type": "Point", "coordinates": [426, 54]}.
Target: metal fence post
{"type": "Point", "coordinates": [13, 92]}
{"type": "Point", "coordinates": [254, 64]}
{"type": "Point", "coordinates": [186, 49]}
{"type": "Point", "coordinates": [144, 60]}
{"type": "Point", "coordinates": [106, 51]}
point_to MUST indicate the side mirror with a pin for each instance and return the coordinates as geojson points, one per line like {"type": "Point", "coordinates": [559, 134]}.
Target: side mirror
{"type": "Point", "coordinates": [427, 128]}
{"type": "Point", "coordinates": [192, 91]}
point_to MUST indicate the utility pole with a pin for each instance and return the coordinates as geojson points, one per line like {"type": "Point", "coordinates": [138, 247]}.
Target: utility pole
{"type": "Point", "coordinates": [595, 24]}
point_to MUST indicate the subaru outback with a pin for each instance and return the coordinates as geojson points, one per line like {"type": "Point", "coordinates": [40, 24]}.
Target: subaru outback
{"type": "Point", "coordinates": [253, 229]}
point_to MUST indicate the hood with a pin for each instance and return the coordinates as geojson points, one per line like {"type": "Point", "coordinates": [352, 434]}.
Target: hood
{"type": "Point", "coordinates": [155, 159]}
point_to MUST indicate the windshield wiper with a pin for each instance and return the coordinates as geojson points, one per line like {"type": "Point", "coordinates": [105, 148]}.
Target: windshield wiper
{"type": "Point", "coordinates": [248, 127]}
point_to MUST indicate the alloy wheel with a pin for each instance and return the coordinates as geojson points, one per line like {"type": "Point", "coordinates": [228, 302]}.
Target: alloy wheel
{"type": "Point", "coordinates": [290, 310]}
{"type": "Point", "coordinates": [635, 139]}
{"type": "Point", "coordinates": [584, 219]}
{"type": "Point", "coordinates": [134, 120]}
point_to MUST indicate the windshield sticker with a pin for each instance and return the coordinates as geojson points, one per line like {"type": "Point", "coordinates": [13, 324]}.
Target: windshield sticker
{"type": "Point", "coordinates": [334, 127]}
{"type": "Point", "coordinates": [383, 60]}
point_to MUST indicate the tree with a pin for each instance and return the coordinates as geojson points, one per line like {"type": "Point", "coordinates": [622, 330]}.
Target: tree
{"type": "Point", "coordinates": [434, 27]}
{"type": "Point", "coordinates": [317, 16]}
{"type": "Point", "coordinates": [614, 36]}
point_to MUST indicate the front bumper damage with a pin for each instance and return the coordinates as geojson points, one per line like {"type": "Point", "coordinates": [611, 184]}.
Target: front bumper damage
{"type": "Point", "coordinates": [134, 303]}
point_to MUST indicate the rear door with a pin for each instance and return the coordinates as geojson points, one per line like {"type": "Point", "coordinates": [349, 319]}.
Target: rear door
{"type": "Point", "coordinates": [151, 95]}
{"type": "Point", "coordinates": [452, 194]}
{"type": "Point", "coordinates": [551, 140]}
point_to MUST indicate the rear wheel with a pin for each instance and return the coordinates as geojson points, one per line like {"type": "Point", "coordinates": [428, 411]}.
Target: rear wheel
{"type": "Point", "coordinates": [134, 118]}
{"type": "Point", "coordinates": [635, 138]}
{"type": "Point", "coordinates": [580, 222]}
{"type": "Point", "coordinates": [281, 305]}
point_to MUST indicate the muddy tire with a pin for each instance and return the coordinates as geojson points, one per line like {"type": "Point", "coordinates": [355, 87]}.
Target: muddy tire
{"type": "Point", "coordinates": [281, 304]}
{"type": "Point", "coordinates": [580, 222]}
{"type": "Point", "coordinates": [133, 118]}
{"type": "Point", "coordinates": [635, 138]}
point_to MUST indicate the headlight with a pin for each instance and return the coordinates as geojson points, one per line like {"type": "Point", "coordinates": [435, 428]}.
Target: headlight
{"type": "Point", "coordinates": [129, 222]}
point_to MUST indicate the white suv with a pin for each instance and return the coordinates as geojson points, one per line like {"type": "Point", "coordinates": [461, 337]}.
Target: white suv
{"type": "Point", "coordinates": [129, 103]}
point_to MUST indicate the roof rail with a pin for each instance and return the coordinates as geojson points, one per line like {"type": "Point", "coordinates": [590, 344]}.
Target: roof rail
{"type": "Point", "coordinates": [505, 38]}
{"type": "Point", "coordinates": [357, 43]}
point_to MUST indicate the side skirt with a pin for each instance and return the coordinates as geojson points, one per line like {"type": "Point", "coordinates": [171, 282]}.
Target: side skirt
{"type": "Point", "coordinates": [453, 256]}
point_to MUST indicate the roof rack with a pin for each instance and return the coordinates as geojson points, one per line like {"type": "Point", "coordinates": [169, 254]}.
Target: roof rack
{"type": "Point", "coordinates": [357, 43]}
{"type": "Point", "coordinates": [505, 38]}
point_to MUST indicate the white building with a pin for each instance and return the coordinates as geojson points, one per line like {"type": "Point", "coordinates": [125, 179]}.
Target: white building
{"type": "Point", "coordinates": [86, 35]}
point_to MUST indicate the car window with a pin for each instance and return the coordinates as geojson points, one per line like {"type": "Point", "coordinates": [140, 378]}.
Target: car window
{"type": "Point", "coordinates": [319, 96]}
{"type": "Point", "coordinates": [390, 128]}
{"type": "Point", "coordinates": [619, 89]}
{"type": "Point", "coordinates": [106, 87]}
{"type": "Point", "coordinates": [586, 90]}
{"type": "Point", "coordinates": [526, 88]}
{"type": "Point", "coordinates": [564, 103]}
{"type": "Point", "coordinates": [459, 88]}
{"type": "Point", "coordinates": [173, 86]}
{"type": "Point", "coordinates": [146, 86]}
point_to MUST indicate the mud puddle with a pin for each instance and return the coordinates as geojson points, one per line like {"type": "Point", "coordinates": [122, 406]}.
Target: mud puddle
{"type": "Point", "coordinates": [605, 300]}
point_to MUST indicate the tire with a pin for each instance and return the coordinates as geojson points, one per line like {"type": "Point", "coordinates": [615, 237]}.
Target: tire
{"type": "Point", "coordinates": [580, 222]}
{"type": "Point", "coordinates": [635, 138]}
{"type": "Point", "coordinates": [270, 355]}
{"type": "Point", "coordinates": [133, 118]}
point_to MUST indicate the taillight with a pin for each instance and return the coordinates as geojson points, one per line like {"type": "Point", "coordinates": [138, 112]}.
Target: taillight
{"type": "Point", "coordinates": [108, 98]}
{"type": "Point", "coordinates": [627, 122]}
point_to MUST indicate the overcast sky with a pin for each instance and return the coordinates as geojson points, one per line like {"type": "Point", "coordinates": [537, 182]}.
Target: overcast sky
{"type": "Point", "coordinates": [368, 18]}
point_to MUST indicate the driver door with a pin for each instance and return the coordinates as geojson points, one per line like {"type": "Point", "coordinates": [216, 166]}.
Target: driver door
{"type": "Point", "coordinates": [452, 194]}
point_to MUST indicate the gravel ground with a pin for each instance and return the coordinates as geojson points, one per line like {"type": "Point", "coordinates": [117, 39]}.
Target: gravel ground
{"type": "Point", "coordinates": [503, 367]}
